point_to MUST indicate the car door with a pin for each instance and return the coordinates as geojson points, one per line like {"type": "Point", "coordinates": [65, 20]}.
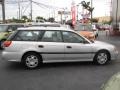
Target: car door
{"type": "Point", "coordinates": [51, 45]}
{"type": "Point", "coordinates": [75, 49]}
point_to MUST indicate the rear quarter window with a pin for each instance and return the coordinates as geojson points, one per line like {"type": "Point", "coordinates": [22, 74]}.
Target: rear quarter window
{"type": "Point", "coordinates": [27, 35]}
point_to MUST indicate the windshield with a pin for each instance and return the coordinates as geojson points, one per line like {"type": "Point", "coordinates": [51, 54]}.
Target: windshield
{"type": "Point", "coordinates": [83, 27]}
{"type": "Point", "coordinates": [3, 28]}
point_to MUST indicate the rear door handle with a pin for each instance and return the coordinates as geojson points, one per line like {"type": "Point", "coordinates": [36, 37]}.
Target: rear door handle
{"type": "Point", "coordinates": [69, 47]}
{"type": "Point", "coordinates": [40, 46]}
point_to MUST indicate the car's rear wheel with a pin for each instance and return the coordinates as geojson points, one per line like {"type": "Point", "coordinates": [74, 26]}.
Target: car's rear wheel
{"type": "Point", "coordinates": [102, 57]}
{"type": "Point", "coordinates": [32, 60]}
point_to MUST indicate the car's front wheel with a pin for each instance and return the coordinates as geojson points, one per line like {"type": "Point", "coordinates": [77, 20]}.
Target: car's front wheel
{"type": "Point", "coordinates": [31, 60]}
{"type": "Point", "coordinates": [102, 57]}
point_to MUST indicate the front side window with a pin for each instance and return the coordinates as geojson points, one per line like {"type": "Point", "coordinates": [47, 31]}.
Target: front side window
{"type": "Point", "coordinates": [52, 36]}
{"type": "Point", "coordinates": [71, 37]}
{"type": "Point", "coordinates": [27, 36]}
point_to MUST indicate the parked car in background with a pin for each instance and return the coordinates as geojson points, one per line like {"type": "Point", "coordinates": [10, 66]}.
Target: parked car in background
{"type": "Point", "coordinates": [6, 30]}
{"type": "Point", "coordinates": [107, 27]}
{"type": "Point", "coordinates": [35, 45]}
{"type": "Point", "coordinates": [48, 24]}
{"type": "Point", "coordinates": [45, 24]}
{"type": "Point", "coordinates": [86, 31]}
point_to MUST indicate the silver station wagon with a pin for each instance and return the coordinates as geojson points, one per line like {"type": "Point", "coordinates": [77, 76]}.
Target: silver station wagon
{"type": "Point", "coordinates": [34, 45]}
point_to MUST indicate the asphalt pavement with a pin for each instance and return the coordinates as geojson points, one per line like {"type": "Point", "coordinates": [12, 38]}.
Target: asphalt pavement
{"type": "Point", "coordinates": [59, 76]}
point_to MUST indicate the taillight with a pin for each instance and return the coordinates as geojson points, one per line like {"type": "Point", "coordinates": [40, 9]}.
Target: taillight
{"type": "Point", "coordinates": [7, 43]}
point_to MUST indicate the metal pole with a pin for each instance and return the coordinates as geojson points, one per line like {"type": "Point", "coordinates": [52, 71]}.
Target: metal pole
{"type": "Point", "coordinates": [3, 10]}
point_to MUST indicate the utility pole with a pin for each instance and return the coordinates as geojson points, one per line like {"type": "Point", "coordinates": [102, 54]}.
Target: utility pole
{"type": "Point", "coordinates": [19, 10]}
{"type": "Point", "coordinates": [3, 10]}
{"type": "Point", "coordinates": [77, 11]}
{"type": "Point", "coordinates": [117, 15]}
{"type": "Point", "coordinates": [31, 10]}
{"type": "Point", "coordinates": [91, 11]}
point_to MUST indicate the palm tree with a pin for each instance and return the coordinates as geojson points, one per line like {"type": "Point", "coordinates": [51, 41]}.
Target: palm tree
{"type": "Point", "coordinates": [25, 18]}
{"type": "Point", "coordinates": [86, 5]}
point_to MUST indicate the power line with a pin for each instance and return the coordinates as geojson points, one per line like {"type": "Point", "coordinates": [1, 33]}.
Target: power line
{"type": "Point", "coordinates": [46, 6]}
{"type": "Point", "coordinates": [16, 2]}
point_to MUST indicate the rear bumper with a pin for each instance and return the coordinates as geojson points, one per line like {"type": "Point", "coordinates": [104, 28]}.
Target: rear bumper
{"type": "Point", "coordinates": [11, 56]}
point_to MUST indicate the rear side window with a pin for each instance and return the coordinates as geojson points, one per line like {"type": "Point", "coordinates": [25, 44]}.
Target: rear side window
{"type": "Point", "coordinates": [27, 36]}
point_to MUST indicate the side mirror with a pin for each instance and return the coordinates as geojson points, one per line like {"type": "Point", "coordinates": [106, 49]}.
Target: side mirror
{"type": "Point", "coordinates": [85, 42]}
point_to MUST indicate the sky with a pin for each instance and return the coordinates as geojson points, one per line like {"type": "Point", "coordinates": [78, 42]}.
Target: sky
{"type": "Point", "coordinates": [102, 8]}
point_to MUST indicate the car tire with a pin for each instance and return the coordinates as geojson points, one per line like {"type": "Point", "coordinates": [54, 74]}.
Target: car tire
{"type": "Point", "coordinates": [102, 57]}
{"type": "Point", "coordinates": [32, 60]}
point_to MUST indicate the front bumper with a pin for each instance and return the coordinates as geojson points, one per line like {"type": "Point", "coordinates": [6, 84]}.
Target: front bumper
{"type": "Point", "coordinates": [114, 55]}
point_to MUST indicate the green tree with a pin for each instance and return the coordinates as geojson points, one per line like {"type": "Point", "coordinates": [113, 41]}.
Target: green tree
{"type": "Point", "coordinates": [40, 19]}
{"type": "Point", "coordinates": [51, 19]}
{"type": "Point", "coordinates": [25, 18]}
{"type": "Point", "coordinates": [94, 20]}
{"type": "Point", "coordinates": [16, 20]}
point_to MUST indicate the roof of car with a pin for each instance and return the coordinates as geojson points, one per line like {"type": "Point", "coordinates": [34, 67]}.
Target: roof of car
{"type": "Point", "coordinates": [45, 28]}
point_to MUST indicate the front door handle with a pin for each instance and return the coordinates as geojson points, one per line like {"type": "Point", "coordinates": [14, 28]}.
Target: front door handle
{"type": "Point", "coordinates": [69, 47]}
{"type": "Point", "coordinates": [40, 46]}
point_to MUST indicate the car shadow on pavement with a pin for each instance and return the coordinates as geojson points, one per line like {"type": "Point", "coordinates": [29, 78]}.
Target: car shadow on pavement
{"type": "Point", "coordinates": [19, 66]}
{"type": "Point", "coordinates": [15, 66]}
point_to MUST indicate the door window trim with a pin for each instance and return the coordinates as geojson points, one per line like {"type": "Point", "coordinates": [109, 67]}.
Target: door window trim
{"type": "Point", "coordinates": [16, 33]}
